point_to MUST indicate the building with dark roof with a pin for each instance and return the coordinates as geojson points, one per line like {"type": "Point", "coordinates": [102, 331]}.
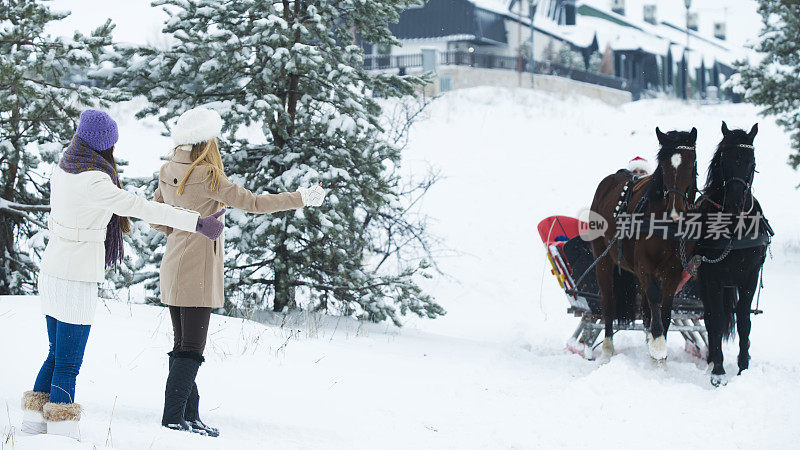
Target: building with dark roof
{"type": "Point", "coordinates": [593, 41]}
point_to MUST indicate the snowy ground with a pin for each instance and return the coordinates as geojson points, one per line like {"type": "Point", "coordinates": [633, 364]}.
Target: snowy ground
{"type": "Point", "coordinates": [492, 373]}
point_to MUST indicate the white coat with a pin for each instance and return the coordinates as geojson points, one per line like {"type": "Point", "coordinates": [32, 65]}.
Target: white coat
{"type": "Point", "coordinates": [81, 206]}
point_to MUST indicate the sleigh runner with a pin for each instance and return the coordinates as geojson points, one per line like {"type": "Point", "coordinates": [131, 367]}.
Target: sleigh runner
{"type": "Point", "coordinates": [570, 257]}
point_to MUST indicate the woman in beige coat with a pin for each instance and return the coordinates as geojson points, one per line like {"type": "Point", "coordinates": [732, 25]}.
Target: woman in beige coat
{"type": "Point", "coordinates": [192, 269]}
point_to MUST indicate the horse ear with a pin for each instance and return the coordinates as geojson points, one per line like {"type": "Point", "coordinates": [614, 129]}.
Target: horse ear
{"type": "Point", "coordinates": [693, 134]}
{"type": "Point", "coordinates": [725, 129]}
{"type": "Point", "coordinates": [661, 136]}
{"type": "Point", "coordinates": [753, 131]}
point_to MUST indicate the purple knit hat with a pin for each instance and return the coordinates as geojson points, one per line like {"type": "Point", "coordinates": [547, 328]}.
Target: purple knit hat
{"type": "Point", "coordinates": [97, 129]}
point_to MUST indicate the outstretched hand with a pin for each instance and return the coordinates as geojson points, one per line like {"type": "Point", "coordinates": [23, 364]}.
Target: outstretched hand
{"type": "Point", "coordinates": [210, 226]}
{"type": "Point", "coordinates": [312, 196]}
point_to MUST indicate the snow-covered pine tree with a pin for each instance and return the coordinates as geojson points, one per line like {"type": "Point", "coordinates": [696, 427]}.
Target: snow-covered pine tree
{"type": "Point", "coordinates": [595, 62]}
{"type": "Point", "coordinates": [569, 57]}
{"type": "Point", "coordinates": [774, 82]}
{"type": "Point", "coordinates": [288, 79]}
{"type": "Point", "coordinates": [41, 98]}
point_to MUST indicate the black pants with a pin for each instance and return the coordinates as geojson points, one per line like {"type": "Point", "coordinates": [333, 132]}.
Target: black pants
{"type": "Point", "coordinates": [190, 328]}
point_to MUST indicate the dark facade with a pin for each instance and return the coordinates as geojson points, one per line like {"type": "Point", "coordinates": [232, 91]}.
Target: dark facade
{"type": "Point", "coordinates": [441, 18]}
{"type": "Point", "coordinates": [641, 70]}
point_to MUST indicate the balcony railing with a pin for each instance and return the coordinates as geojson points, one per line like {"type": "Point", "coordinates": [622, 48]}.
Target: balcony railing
{"type": "Point", "coordinates": [490, 61]}
{"type": "Point", "coordinates": [381, 62]}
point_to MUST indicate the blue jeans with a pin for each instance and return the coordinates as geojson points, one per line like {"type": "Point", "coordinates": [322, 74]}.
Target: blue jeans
{"type": "Point", "coordinates": [60, 369]}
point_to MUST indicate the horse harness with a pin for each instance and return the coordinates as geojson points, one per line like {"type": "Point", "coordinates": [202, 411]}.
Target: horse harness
{"type": "Point", "coordinates": [628, 190]}
{"type": "Point", "coordinates": [633, 185]}
{"type": "Point", "coordinates": [692, 265]}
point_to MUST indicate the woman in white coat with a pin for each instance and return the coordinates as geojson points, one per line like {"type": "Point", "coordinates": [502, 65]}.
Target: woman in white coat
{"type": "Point", "coordinates": [89, 213]}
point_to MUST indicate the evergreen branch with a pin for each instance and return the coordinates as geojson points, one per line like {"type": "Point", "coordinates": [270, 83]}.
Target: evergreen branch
{"type": "Point", "coordinates": [20, 207]}
{"type": "Point", "coordinates": [259, 264]}
{"type": "Point", "coordinates": [52, 85]}
{"type": "Point", "coordinates": [141, 277]}
{"type": "Point", "coordinates": [326, 287]}
{"type": "Point", "coordinates": [24, 215]}
{"type": "Point", "coordinates": [42, 45]}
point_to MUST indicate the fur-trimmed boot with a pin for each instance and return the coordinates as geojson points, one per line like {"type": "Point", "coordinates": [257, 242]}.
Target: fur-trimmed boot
{"type": "Point", "coordinates": [63, 419]}
{"type": "Point", "coordinates": [182, 372]}
{"type": "Point", "coordinates": [32, 418]}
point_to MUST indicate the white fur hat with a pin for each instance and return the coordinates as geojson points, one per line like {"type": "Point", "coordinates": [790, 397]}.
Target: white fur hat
{"type": "Point", "coordinates": [197, 125]}
{"type": "Point", "coordinates": [639, 163]}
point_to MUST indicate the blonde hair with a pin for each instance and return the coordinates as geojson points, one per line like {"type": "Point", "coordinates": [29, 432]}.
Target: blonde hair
{"type": "Point", "coordinates": [206, 154]}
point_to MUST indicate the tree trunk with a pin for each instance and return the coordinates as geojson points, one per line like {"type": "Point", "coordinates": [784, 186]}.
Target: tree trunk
{"type": "Point", "coordinates": [7, 225]}
{"type": "Point", "coordinates": [6, 248]}
{"type": "Point", "coordinates": [284, 289]}
{"type": "Point", "coordinates": [291, 107]}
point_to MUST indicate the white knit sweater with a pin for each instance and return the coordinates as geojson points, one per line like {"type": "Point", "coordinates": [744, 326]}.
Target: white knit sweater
{"type": "Point", "coordinates": [68, 301]}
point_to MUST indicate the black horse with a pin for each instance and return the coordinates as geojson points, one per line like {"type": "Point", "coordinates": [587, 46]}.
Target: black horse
{"type": "Point", "coordinates": [727, 286]}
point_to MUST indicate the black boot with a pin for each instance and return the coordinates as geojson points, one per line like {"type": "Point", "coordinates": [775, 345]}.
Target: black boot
{"type": "Point", "coordinates": [182, 372]}
{"type": "Point", "coordinates": [192, 414]}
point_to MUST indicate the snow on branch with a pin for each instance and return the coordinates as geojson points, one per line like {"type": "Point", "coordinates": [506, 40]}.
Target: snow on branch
{"type": "Point", "coordinates": [21, 210]}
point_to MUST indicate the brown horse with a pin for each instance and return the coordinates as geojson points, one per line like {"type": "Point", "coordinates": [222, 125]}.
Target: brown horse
{"type": "Point", "coordinates": [656, 262]}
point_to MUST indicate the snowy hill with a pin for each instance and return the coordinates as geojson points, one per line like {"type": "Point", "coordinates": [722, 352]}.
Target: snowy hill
{"type": "Point", "coordinates": [513, 157]}
{"type": "Point", "coordinates": [493, 373]}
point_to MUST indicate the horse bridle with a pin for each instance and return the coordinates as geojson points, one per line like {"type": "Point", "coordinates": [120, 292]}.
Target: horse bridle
{"type": "Point", "coordinates": [683, 195]}
{"type": "Point", "coordinates": [748, 185]}
{"type": "Point", "coordinates": [691, 265]}
{"type": "Point", "coordinates": [737, 179]}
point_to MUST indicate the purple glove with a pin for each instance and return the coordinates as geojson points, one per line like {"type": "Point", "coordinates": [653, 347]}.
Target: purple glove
{"type": "Point", "coordinates": [209, 226]}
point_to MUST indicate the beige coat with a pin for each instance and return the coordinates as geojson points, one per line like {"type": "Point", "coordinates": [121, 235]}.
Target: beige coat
{"type": "Point", "coordinates": [192, 266]}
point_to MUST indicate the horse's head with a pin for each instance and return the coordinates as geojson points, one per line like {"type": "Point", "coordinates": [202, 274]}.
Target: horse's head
{"type": "Point", "coordinates": [675, 178]}
{"type": "Point", "coordinates": [730, 175]}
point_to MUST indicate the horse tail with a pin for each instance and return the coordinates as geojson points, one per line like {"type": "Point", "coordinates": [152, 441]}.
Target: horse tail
{"type": "Point", "coordinates": [729, 297]}
{"type": "Point", "coordinates": [624, 295]}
